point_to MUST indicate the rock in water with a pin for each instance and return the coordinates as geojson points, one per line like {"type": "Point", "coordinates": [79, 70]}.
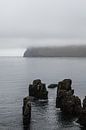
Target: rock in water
{"type": "Point", "coordinates": [36, 82]}
{"type": "Point", "coordinates": [64, 87]}
{"type": "Point", "coordinates": [26, 111]}
{"type": "Point", "coordinates": [84, 103]}
{"type": "Point", "coordinates": [38, 90]}
{"type": "Point", "coordinates": [66, 100]}
{"type": "Point", "coordinates": [71, 105]}
{"type": "Point", "coordinates": [52, 86]}
{"type": "Point", "coordinates": [82, 116]}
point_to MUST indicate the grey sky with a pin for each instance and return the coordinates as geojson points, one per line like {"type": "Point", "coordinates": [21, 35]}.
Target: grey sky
{"type": "Point", "coordinates": [40, 22]}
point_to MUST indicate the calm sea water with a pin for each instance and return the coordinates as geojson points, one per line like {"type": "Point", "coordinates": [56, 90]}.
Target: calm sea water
{"type": "Point", "coordinates": [15, 76]}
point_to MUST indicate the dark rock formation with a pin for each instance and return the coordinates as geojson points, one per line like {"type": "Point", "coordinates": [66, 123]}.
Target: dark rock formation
{"type": "Point", "coordinates": [26, 111]}
{"type": "Point", "coordinates": [71, 105]}
{"type": "Point", "coordinates": [82, 117]}
{"type": "Point", "coordinates": [84, 103]}
{"type": "Point", "coordinates": [52, 86]}
{"type": "Point", "coordinates": [66, 100]}
{"type": "Point", "coordinates": [65, 85]}
{"type": "Point", "coordinates": [38, 90]}
{"type": "Point", "coordinates": [63, 89]}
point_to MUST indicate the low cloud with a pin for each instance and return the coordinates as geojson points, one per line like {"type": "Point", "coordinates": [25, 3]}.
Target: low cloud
{"type": "Point", "coordinates": [24, 43]}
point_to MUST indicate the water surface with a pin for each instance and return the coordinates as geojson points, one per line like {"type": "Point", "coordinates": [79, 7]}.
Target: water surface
{"type": "Point", "coordinates": [15, 76]}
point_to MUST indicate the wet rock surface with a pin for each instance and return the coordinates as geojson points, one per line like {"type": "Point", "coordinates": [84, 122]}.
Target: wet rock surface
{"type": "Point", "coordinates": [26, 111]}
{"type": "Point", "coordinates": [52, 86]}
{"type": "Point", "coordinates": [82, 117]}
{"type": "Point", "coordinates": [71, 105]}
{"type": "Point", "coordinates": [84, 103]}
{"type": "Point", "coordinates": [38, 90]}
{"type": "Point", "coordinates": [68, 103]}
{"type": "Point", "coordinates": [66, 100]}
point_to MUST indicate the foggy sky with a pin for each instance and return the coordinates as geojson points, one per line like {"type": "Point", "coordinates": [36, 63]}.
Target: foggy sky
{"type": "Point", "coordinates": [26, 23]}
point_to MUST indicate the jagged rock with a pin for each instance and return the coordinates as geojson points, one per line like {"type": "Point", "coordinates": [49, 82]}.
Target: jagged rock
{"type": "Point", "coordinates": [65, 85]}
{"type": "Point", "coordinates": [64, 88]}
{"type": "Point", "coordinates": [26, 110]}
{"type": "Point", "coordinates": [82, 117]}
{"type": "Point", "coordinates": [66, 100]}
{"type": "Point", "coordinates": [62, 94]}
{"type": "Point", "coordinates": [52, 86]}
{"type": "Point", "coordinates": [71, 105]}
{"type": "Point", "coordinates": [38, 90]}
{"type": "Point", "coordinates": [36, 82]}
{"type": "Point", "coordinates": [84, 103]}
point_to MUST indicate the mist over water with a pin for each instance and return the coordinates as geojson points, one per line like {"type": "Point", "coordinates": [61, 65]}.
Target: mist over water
{"type": "Point", "coordinates": [17, 46]}
{"type": "Point", "coordinates": [23, 43]}
{"type": "Point", "coordinates": [42, 23]}
{"type": "Point", "coordinates": [43, 19]}
{"type": "Point", "coordinates": [12, 52]}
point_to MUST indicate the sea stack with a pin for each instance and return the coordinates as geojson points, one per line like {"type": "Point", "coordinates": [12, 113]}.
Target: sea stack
{"type": "Point", "coordinates": [26, 111]}
{"type": "Point", "coordinates": [66, 100]}
{"type": "Point", "coordinates": [38, 90]}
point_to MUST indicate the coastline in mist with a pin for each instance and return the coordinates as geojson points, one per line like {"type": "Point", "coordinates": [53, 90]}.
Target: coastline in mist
{"type": "Point", "coordinates": [63, 51]}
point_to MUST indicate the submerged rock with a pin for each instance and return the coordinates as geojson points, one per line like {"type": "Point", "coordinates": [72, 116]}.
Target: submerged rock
{"type": "Point", "coordinates": [26, 110]}
{"type": "Point", "coordinates": [52, 86]}
{"type": "Point", "coordinates": [38, 90]}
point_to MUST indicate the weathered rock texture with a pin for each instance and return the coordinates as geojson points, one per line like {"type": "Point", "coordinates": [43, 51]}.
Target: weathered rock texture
{"type": "Point", "coordinates": [26, 111]}
{"type": "Point", "coordinates": [66, 100]}
{"type": "Point", "coordinates": [82, 116]}
{"type": "Point", "coordinates": [38, 90]}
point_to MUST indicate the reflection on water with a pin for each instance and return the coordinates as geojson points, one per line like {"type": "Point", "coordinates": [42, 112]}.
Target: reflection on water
{"type": "Point", "coordinates": [17, 73]}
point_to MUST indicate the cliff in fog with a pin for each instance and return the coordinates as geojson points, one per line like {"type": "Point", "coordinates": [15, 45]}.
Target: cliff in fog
{"type": "Point", "coordinates": [65, 51]}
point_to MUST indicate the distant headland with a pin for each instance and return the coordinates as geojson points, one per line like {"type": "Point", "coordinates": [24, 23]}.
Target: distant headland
{"type": "Point", "coordinates": [62, 51]}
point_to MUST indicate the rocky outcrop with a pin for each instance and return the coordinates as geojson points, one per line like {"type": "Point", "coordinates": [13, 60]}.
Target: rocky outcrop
{"type": "Point", "coordinates": [66, 100]}
{"type": "Point", "coordinates": [52, 86]}
{"type": "Point", "coordinates": [84, 103]}
{"type": "Point", "coordinates": [26, 111]}
{"type": "Point", "coordinates": [63, 89]}
{"type": "Point", "coordinates": [71, 105]}
{"type": "Point", "coordinates": [38, 90]}
{"type": "Point", "coordinates": [68, 103]}
{"type": "Point", "coordinates": [82, 117]}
